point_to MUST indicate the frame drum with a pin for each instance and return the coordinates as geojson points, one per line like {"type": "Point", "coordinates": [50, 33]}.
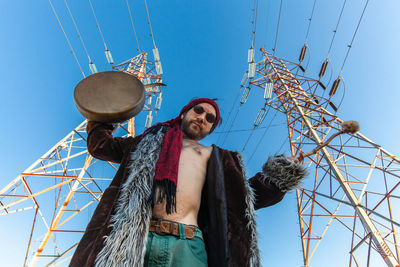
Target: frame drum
{"type": "Point", "coordinates": [110, 96]}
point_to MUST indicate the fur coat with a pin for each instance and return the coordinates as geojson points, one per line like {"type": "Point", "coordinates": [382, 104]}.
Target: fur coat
{"type": "Point", "coordinates": [226, 214]}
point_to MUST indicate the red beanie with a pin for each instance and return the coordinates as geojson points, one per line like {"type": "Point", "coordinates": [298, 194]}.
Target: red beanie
{"type": "Point", "coordinates": [197, 101]}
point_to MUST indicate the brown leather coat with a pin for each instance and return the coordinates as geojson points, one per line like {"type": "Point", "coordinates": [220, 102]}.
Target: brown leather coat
{"type": "Point", "coordinates": [222, 215]}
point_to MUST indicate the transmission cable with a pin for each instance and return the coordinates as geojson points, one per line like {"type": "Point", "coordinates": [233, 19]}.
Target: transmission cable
{"type": "Point", "coordinates": [98, 26]}
{"type": "Point", "coordinates": [336, 28]}
{"type": "Point", "coordinates": [133, 27]}
{"type": "Point", "coordinates": [244, 79]}
{"type": "Point", "coordinates": [305, 46]}
{"type": "Point", "coordinates": [283, 143]}
{"type": "Point", "coordinates": [255, 126]}
{"type": "Point", "coordinates": [250, 129]}
{"type": "Point", "coordinates": [254, 23]}
{"type": "Point", "coordinates": [229, 130]}
{"type": "Point", "coordinates": [77, 31]}
{"type": "Point", "coordinates": [354, 35]}
{"type": "Point", "coordinates": [310, 20]}
{"type": "Point", "coordinates": [148, 21]}
{"type": "Point", "coordinates": [326, 61]}
{"type": "Point", "coordinates": [266, 20]}
{"type": "Point", "coordinates": [277, 28]}
{"type": "Point", "coordinates": [336, 83]}
{"type": "Point", "coordinates": [66, 37]}
{"type": "Point", "coordinates": [262, 137]}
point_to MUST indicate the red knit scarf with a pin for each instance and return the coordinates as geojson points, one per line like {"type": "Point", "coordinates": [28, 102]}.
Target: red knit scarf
{"type": "Point", "coordinates": [166, 172]}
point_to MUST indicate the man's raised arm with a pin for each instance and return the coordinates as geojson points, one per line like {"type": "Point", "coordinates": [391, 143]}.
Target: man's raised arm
{"type": "Point", "coordinates": [102, 145]}
{"type": "Point", "coordinates": [279, 175]}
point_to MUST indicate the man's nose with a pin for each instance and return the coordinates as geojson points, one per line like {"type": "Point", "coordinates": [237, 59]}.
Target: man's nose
{"type": "Point", "coordinates": [202, 117]}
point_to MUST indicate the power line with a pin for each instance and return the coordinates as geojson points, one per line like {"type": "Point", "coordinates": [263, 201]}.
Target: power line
{"type": "Point", "coordinates": [148, 20]}
{"type": "Point", "coordinates": [336, 28]}
{"type": "Point", "coordinates": [66, 37]}
{"type": "Point", "coordinates": [309, 21]}
{"type": "Point", "coordinates": [249, 74]}
{"type": "Point", "coordinates": [250, 129]}
{"type": "Point", "coordinates": [234, 118]}
{"type": "Point", "coordinates": [305, 46]}
{"type": "Point", "coordinates": [254, 23]}
{"type": "Point", "coordinates": [267, 18]}
{"type": "Point", "coordinates": [255, 126]}
{"type": "Point", "coordinates": [326, 62]}
{"type": "Point", "coordinates": [277, 28]}
{"type": "Point", "coordinates": [98, 26]}
{"type": "Point", "coordinates": [77, 30]}
{"type": "Point", "coordinates": [133, 27]}
{"type": "Point", "coordinates": [283, 143]}
{"type": "Point", "coordinates": [262, 137]}
{"type": "Point", "coordinates": [336, 83]}
{"type": "Point", "coordinates": [354, 35]}
{"type": "Point", "coordinates": [244, 80]}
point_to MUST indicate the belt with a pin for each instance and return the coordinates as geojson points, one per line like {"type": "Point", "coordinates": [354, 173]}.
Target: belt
{"type": "Point", "coordinates": [164, 227]}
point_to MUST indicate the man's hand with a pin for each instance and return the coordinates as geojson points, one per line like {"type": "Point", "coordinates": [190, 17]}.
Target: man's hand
{"type": "Point", "coordinates": [297, 159]}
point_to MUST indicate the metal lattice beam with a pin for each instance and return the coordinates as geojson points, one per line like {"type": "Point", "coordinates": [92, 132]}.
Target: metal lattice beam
{"type": "Point", "coordinates": [355, 182]}
{"type": "Point", "coordinates": [64, 185]}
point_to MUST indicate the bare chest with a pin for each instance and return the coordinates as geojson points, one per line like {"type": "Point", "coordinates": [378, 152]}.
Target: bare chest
{"type": "Point", "coordinates": [194, 153]}
{"type": "Point", "coordinates": [193, 161]}
{"type": "Point", "coordinates": [191, 178]}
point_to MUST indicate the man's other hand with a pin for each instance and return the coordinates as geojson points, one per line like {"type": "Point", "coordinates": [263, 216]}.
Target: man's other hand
{"type": "Point", "coordinates": [297, 159]}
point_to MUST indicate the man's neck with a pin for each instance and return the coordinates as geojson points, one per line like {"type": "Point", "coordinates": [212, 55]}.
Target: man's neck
{"type": "Point", "coordinates": [185, 137]}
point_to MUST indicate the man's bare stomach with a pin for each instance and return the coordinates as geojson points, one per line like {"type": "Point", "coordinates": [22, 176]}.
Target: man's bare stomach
{"type": "Point", "coordinates": [191, 178]}
{"type": "Point", "coordinates": [182, 215]}
{"type": "Point", "coordinates": [188, 199]}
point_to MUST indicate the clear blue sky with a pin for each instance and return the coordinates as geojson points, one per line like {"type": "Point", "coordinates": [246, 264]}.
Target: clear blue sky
{"type": "Point", "coordinates": [203, 48]}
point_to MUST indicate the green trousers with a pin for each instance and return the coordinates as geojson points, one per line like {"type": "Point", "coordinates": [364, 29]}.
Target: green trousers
{"type": "Point", "coordinates": [173, 251]}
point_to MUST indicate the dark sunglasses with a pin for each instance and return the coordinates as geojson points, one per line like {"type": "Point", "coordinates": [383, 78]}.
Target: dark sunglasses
{"type": "Point", "coordinates": [200, 110]}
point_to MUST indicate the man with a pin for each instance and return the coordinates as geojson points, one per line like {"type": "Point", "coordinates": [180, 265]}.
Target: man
{"type": "Point", "coordinates": [174, 202]}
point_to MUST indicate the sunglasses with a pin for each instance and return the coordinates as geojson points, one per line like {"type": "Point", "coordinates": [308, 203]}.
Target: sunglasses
{"type": "Point", "coordinates": [200, 110]}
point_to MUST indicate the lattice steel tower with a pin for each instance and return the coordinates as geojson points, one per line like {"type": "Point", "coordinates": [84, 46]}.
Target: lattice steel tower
{"type": "Point", "coordinates": [353, 182]}
{"type": "Point", "coordinates": [64, 184]}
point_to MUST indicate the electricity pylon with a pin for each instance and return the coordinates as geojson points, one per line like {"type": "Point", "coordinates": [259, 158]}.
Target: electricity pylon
{"type": "Point", "coordinates": [353, 182]}
{"type": "Point", "coordinates": [66, 181]}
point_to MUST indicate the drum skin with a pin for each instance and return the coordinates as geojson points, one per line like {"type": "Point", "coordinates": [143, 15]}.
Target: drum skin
{"type": "Point", "coordinates": [110, 96]}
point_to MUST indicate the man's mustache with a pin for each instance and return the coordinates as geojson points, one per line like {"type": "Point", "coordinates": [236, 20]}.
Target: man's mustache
{"type": "Point", "coordinates": [199, 123]}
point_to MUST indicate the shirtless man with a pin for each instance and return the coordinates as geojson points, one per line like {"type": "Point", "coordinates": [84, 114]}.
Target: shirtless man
{"type": "Point", "coordinates": [174, 202]}
{"type": "Point", "coordinates": [192, 166]}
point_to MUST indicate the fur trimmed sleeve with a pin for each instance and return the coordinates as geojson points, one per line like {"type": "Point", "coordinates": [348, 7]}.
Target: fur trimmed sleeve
{"type": "Point", "coordinates": [102, 145]}
{"type": "Point", "coordinates": [283, 173]}
{"type": "Point", "coordinates": [278, 176]}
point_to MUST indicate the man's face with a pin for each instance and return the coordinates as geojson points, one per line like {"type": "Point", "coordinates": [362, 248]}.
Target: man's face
{"type": "Point", "coordinates": [194, 125]}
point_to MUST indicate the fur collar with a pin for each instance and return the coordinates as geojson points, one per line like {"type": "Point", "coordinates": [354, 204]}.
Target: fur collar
{"type": "Point", "coordinates": [126, 244]}
{"type": "Point", "coordinates": [251, 217]}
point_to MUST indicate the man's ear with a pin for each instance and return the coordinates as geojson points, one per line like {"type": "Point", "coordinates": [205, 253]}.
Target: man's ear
{"type": "Point", "coordinates": [182, 117]}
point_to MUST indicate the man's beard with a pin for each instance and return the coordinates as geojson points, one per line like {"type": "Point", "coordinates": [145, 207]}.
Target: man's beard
{"type": "Point", "coordinates": [190, 133]}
